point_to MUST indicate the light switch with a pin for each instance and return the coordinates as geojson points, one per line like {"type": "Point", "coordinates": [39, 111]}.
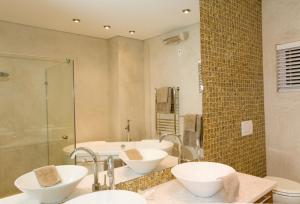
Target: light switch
{"type": "Point", "coordinates": [247, 128]}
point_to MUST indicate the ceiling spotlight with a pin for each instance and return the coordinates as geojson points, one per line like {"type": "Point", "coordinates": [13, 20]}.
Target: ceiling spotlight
{"type": "Point", "coordinates": [107, 27]}
{"type": "Point", "coordinates": [186, 10]}
{"type": "Point", "coordinates": [76, 20]}
{"type": "Point", "coordinates": [131, 32]}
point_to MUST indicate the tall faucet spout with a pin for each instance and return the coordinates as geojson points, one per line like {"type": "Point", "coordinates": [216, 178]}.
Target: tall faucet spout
{"type": "Point", "coordinates": [96, 185]}
{"type": "Point", "coordinates": [178, 137]}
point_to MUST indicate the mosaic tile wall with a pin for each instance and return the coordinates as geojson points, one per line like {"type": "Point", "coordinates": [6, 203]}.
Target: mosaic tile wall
{"type": "Point", "coordinates": [148, 181]}
{"type": "Point", "coordinates": [231, 55]}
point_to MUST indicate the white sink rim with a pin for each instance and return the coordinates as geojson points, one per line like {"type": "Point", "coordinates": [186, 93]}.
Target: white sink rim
{"type": "Point", "coordinates": [147, 164]}
{"type": "Point", "coordinates": [177, 174]}
{"type": "Point", "coordinates": [62, 184]}
{"type": "Point", "coordinates": [71, 175]}
{"type": "Point", "coordinates": [162, 155]}
{"type": "Point", "coordinates": [203, 179]}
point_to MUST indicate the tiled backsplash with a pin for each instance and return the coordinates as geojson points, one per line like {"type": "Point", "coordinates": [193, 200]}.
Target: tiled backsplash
{"type": "Point", "coordinates": [144, 182]}
{"type": "Point", "coordinates": [231, 56]}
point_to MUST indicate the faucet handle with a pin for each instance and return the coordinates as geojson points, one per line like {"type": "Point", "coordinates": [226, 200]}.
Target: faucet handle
{"type": "Point", "coordinates": [96, 187]}
{"type": "Point", "coordinates": [104, 186]}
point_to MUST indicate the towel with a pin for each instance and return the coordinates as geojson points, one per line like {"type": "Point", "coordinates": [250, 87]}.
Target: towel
{"type": "Point", "coordinates": [162, 95]}
{"type": "Point", "coordinates": [165, 104]}
{"type": "Point", "coordinates": [47, 176]}
{"type": "Point", "coordinates": [231, 186]}
{"type": "Point", "coordinates": [192, 130]}
{"type": "Point", "coordinates": [190, 122]}
{"type": "Point", "coordinates": [133, 154]}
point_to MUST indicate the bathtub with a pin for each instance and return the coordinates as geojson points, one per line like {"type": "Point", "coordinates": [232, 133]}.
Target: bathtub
{"type": "Point", "coordinates": [104, 149]}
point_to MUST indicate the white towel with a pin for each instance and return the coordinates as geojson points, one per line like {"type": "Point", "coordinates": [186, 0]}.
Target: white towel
{"type": "Point", "coordinates": [231, 186]}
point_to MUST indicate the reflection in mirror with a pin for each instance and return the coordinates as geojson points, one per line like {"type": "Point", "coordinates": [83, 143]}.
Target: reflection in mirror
{"type": "Point", "coordinates": [155, 90]}
{"type": "Point", "coordinates": [133, 70]}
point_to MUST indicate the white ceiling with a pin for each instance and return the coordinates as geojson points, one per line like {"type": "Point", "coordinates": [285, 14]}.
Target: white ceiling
{"type": "Point", "coordinates": [148, 18]}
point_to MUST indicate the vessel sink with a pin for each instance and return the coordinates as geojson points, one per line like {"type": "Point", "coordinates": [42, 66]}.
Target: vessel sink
{"type": "Point", "coordinates": [71, 175]}
{"type": "Point", "coordinates": [111, 197]}
{"type": "Point", "coordinates": [151, 159]}
{"type": "Point", "coordinates": [203, 179]}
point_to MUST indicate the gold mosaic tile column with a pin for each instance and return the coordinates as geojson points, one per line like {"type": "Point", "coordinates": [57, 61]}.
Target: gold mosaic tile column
{"type": "Point", "coordinates": [231, 55]}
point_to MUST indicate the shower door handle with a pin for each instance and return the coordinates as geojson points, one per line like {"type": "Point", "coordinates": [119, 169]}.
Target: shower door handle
{"type": "Point", "coordinates": [65, 137]}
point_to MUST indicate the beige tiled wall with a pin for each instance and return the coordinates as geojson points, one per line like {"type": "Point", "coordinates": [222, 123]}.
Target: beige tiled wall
{"type": "Point", "coordinates": [231, 54]}
{"type": "Point", "coordinates": [281, 23]}
{"type": "Point", "coordinates": [126, 83]}
{"type": "Point", "coordinates": [164, 67]}
{"type": "Point", "coordinates": [90, 56]}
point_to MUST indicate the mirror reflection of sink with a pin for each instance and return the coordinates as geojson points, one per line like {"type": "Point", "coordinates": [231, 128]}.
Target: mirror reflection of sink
{"type": "Point", "coordinates": [151, 159]}
{"type": "Point", "coordinates": [201, 178]}
{"type": "Point", "coordinates": [111, 197]}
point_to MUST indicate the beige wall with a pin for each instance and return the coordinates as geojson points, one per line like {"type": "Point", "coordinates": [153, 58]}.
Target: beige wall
{"type": "Point", "coordinates": [164, 67]}
{"type": "Point", "coordinates": [127, 87]}
{"type": "Point", "coordinates": [91, 70]}
{"type": "Point", "coordinates": [24, 119]}
{"type": "Point", "coordinates": [281, 24]}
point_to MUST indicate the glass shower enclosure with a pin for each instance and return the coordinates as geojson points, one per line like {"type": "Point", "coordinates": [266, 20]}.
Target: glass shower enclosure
{"type": "Point", "coordinates": [36, 115]}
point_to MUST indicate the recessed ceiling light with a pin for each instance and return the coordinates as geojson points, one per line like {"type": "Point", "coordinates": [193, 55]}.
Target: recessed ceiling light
{"type": "Point", "coordinates": [107, 27]}
{"type": "Point", "coordinates": [186, 10]}
{"type": "Point", "coordinates": [76, 20]}
{"type": "Point", "coordinates": [131, 32]}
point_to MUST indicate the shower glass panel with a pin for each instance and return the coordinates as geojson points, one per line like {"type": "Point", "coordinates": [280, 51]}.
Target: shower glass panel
{"type": "Point", "coordinates": [36, 115]}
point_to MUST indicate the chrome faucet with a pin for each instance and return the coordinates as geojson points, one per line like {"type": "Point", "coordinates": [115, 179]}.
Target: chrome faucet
{"type": "Point", "coordinates": [178, 137]}
{"type": "Point", "coordinates": [111, 172]}
{"type": "Point", "coordinates": [96, 185]}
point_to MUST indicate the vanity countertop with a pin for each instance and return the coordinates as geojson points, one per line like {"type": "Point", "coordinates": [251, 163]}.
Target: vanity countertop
{"type": "Point", "coordinates": [252, 188]}
{"type": "Point", "coordinates": [85, 186]}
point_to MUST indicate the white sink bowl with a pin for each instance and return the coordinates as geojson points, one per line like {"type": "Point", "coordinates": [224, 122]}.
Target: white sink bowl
{"type": "Point", "coordinates": [151, 159]}
{"type": "Point", "coordinates": [201, 178]}
{"type": "Point", "coordinates": [109, 197]}
{"type": "Point", "coordinates": [71, 175]}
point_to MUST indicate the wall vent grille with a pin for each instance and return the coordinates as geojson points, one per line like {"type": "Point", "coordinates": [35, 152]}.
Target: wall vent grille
{"type": "Point", "coordinates": [288, 67]}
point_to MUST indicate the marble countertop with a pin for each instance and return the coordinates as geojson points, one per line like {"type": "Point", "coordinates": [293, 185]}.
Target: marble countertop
{"type": "Point", "coordinates": [251, 189]}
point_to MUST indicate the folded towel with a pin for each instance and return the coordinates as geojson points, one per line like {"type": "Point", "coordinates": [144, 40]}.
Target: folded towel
{"type": "Point", "coordinates": [231, 186]}
{"type": "Point", "coordinates": [165, 108]}
{"type": "Point", "coordinates": [47, 176]}
{"type": "Point", "coordinates": [133, 154]}
{"type": "Point", "coordinates": [190, 122]}
{"type": "Point", "coordinates": [191, 135]}
{"type": "Point", "coordinates": [165, 104]}
{"type": "Point", "coordinates": [162, 95]}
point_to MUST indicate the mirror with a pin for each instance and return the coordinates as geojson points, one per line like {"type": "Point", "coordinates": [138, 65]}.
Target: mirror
{"type": "Point", "coordinates": [134, 71]}
{"type": "Point", "coordinates": [155, 61]}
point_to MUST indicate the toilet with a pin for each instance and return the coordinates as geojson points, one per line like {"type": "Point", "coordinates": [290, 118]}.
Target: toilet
{"type": "Point", "coordinates": [286, 191]}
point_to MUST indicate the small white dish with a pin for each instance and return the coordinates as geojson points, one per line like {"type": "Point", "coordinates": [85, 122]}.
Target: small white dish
{"type": "Point", "coordinates": [151, 159]}
{"type": "Point", "coordinates": [110, 196]}
{"type": "Point", "coordinates": [71, 175]}
{"type": "Point", "coordinates": [203, 179]}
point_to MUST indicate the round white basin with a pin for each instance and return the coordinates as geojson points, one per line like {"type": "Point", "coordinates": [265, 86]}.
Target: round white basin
{"type": "Point", "coordinates": [151, 159]}
{"type": "Point", "coordinates": [111, 197]}
{"type": "Point", "coordinates": [202, 179]}
{"type": "Point", "coordinates": [71, 175]}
